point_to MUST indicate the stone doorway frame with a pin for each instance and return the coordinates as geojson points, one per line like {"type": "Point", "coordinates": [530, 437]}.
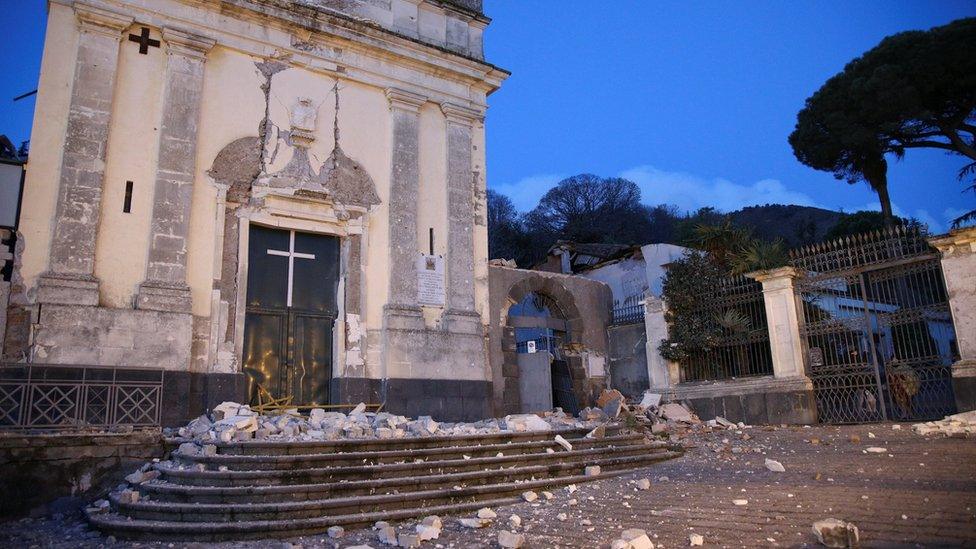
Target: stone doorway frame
{"type": "Point", "coordinates": [309, 214]}
{"type": "Point", "coordinates": [572, 346]}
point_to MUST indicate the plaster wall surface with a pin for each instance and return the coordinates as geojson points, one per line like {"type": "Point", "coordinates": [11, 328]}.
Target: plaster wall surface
{"type": "Point", "coordinates": [258, 61]}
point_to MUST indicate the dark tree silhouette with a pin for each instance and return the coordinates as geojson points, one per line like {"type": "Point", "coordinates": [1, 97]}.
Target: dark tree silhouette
{"type": "Point", "coordinates": [915, 89]}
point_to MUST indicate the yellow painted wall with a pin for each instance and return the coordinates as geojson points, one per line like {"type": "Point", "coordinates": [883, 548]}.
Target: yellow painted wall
{"type": "Point", "coordinates": [122, 244]}
{"type": "Point", "coordinates": [231, 108]}
{"type": "Point", "coordinates": [47, 140]}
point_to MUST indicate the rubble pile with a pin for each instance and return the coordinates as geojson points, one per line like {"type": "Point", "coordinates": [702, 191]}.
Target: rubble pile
{"type": "Point", "coordinates": [958, 425]}
{"type": "Point", "coordinates": [233, 422]}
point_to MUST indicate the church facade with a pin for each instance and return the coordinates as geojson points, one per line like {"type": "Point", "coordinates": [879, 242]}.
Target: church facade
{"type": "Point", "coordinates": [282, 198]}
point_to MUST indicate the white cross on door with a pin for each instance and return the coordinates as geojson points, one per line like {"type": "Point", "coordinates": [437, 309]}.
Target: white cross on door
{"type": "Point", "coordinates": [291, 254]}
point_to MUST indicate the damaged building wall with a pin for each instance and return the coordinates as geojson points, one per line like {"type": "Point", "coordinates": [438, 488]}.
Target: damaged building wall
{"type": "Point", "coordinates": [586, 305]}
{"type": "Point", "coordinates": [270, 114]}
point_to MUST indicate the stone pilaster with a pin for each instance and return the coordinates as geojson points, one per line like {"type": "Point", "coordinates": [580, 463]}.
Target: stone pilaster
{"type": "Point", "coordinates": [404, 186]}
{"type": "Point", "coordinates": [783, 319]}
{"type": "Point", "coordinates": [662, 374]}
{"type": "Point", "coordinates": [70, 277]}
{"type": "Point", "coordinates": [958, 251]}
{"type": "Point", "coordinates": [165, 287]}
{"type": "Point", "coordinates": [460, 209]}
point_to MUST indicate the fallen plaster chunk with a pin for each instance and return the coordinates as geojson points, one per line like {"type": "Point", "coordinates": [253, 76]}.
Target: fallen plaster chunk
{"type": "Point", "coordinates": [591, 470]}
{"type": "Point", "coordinates": [510, 540]}
{"type": "Point", "coordinates": [486, 513]}
{"type": "Point", "coordinates": [875, 450]}
{"type": "Point", "coordinates": [643, 484]}
{"type": "Point", "coordinates": [695, 540]}
{"type": "Point", "coordinates": [836, 533]}
{"type": "Point", "coordinates": [530, 496]}
{"type": "Point", "coordinates": [564, 443]}
{"type": "Point", "coordinates": [775, 466]}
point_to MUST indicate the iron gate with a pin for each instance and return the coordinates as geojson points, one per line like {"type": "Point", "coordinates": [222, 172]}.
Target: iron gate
{"type": "Point", "coordinates": [879, 336]}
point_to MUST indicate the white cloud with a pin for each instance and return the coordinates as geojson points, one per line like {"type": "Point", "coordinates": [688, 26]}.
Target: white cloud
{"type": "Point", "coordinates": [689, 192]}
{"type": "Point", "coordinates": [526, 192]}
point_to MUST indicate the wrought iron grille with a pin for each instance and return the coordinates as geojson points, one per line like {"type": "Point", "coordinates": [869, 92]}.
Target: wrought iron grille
{"type": "Point", "coordinates": [879, 334]}
{"type": "Point", "coordinates": [630, 314]}
{"type": "Point", "coordinates": [742, 350]}
{"type": "Point", "coordinates": [52, 397]}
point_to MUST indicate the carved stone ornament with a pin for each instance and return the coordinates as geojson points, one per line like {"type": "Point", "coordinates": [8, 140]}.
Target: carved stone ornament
{"type": "Point", "coordinates": [303, 116]}
{"type": "Point", "coordinates": [347, 182]}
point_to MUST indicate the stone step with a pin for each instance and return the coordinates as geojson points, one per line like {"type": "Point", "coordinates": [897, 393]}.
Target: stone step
{"type": "Point", "coordinates": [349, 504]}
{"type": "Point", "coordinates": [275, 447]}
{"type": "Point", "coordinates": [125, 527]}
{"type": "Point", "coordinates": [239, 462]}
{"type": "Point", "coordinates": [360, 472]}
{"type": "Point", "coordinates": [284, 489]}
{"type": "Point", "coordinates": [163, 491]}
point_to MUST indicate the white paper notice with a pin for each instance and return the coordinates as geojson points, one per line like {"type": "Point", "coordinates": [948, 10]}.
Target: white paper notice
{"type": "Point", "coordinates": [430, 280]}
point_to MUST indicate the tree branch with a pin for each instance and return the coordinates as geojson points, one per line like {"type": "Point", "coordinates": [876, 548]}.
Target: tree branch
{"type": "Point", "coordinates": [959, 145]}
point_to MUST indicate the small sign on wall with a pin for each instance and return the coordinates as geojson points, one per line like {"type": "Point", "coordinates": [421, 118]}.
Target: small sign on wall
{"type": "Point", "coordinates": [430, 280]}
{"type": "Point", "coordinates": [530, 346]}
{"type": "Point", "coordinates": [816, 357]}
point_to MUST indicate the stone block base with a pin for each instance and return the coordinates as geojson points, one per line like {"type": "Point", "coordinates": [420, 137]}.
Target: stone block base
{"type": "Point", "coordinates": [49, 473]}
{"type": "Point", "coordinates": [964, 386]}
{"type": "Point", "coordinates": [755, 401]}
{"type": "Point", "coordinates": [442, 399]}
{"type": "Point", "coordinates": [67, 289]}
{"type": "Point", "coordinates": [101, 336]}
{"type": "Point", "coordinates": [157, 296]}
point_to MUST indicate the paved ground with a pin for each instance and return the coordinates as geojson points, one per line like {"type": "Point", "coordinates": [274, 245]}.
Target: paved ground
{"type": "Point", "coordinates": [920, 492]}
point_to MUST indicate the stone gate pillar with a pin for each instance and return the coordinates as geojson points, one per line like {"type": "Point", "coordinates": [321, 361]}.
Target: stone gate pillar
{"type": "Point", "coordinates": [783, 317]}
{"type": "Point", "coordinates": [958, 251]}
{"type": "Point", "coordinates": [165, 287]}
{"type": "Point", "coordinates": [662, 374]}
{"type": "Point", "coordinates": [70, 277]}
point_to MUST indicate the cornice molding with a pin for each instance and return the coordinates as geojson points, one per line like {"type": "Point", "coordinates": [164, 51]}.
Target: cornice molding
{"type": "Point", "coordinates": [187, 44]}
{"type": "Point", "coordinates": [405, 100]}
{"type": "Point", "coordinates": [461, 115]}
{"type": "Point", "coordinates": [101, 21]}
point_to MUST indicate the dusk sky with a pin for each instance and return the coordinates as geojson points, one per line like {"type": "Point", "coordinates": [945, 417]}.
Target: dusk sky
{"type": "Point", "coordinates": [693, 101]}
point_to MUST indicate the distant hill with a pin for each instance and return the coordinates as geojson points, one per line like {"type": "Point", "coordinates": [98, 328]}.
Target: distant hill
{"type": "Point", "coordinates": [796, 225]}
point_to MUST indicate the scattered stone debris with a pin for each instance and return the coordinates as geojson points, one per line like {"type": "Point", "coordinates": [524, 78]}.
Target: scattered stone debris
{"type": "Point", "coordinates": [740, 502]}
{"type": "Point", "coordinates": [592, 470]}
{"type": "Point", "coordinates": [775, 466]}
{"type": "Point", "coordinates": [486, 513]}
{"type": "Point", "coordinates": [876, 450]}
{"type": "Point", "coordinates": [958, 425]}
{"type": "Point", "coordinates": [515, 521]}
{"type": "Point", "coordinates": [232, 422]}
{"type": "Point", "coordinates": [564, 443]}
{"type": "Point", "coordinates": [635, 538]}
{"type": "Point", "coordinates": [836, 533]}
{"type": "Point", "coordinates": [695, 540]}
{"type": "Point", "coordinates": [643, 484]}
{"type": "Point", "coordinates": [530, 496]}
{"type": "Point", "coordinates": [510, 540]}
{"type": "Point", "coordinates": [336, 532]}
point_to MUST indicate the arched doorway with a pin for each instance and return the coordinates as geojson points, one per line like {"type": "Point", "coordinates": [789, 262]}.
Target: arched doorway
{"type": "Point", "coordinates": [540, 334]}
{"type": "Point", "coordinates": [542, 316]}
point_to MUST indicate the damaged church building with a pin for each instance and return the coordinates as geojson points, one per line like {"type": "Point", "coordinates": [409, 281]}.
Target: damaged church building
{"type": "Point", "coordinates": [253, 199]}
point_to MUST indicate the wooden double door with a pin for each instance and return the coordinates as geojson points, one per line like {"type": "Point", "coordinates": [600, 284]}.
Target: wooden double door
{"type": "Point", "coordinates": [292, 305]}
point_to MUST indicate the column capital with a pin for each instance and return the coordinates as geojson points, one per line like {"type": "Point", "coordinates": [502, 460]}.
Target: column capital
{"type": "Point", "coordinates": [769, 275]}
{"type": "Point", "coordinates": [405, 100]}
{"type": "Point", "coordinates": [956, 242]}
{"type": "Point", "coordinates": [102, 21]}
{"type": "Point", "coordinates": [461, 115]}
{"type": "Point", "coordinates": [186, 44]}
